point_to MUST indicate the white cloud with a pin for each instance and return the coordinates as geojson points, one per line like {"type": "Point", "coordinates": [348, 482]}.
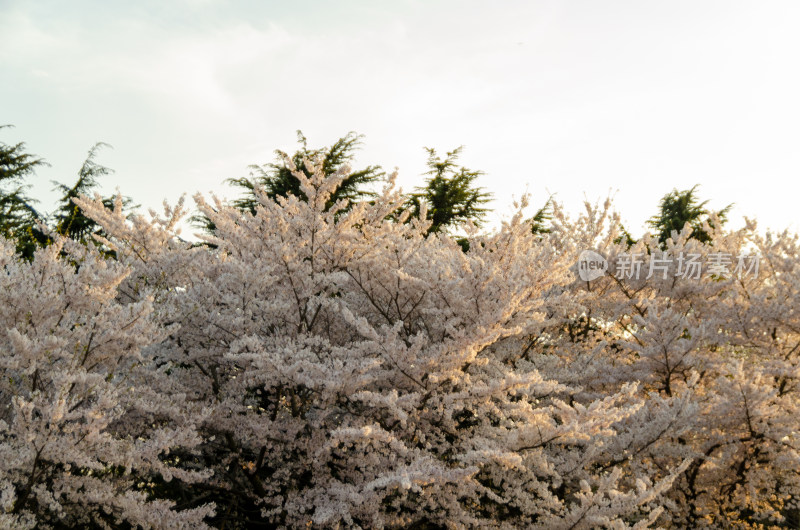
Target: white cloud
{"type": "Point", "coordinates": [565, 97]}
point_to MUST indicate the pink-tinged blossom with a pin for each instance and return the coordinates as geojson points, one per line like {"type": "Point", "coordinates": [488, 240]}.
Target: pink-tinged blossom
{"type": "Point", "coordinates": [317, 365]}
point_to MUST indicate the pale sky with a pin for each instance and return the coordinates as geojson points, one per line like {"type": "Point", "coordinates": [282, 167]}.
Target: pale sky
{"type": "Point", "coordinates": [574, 98]}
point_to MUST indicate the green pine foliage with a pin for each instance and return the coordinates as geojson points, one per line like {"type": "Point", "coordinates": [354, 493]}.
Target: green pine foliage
{"type": "Point", "coordinates": [625, 236]}
{"type": "Point", "coordinates": [68, 219]}
{"type": "Point", "coordinates": [540, 222]}
{"type": "Point", "coordinates": [23, 223]}
{"type": "Point", "coordinates": [678, 208]}
{"type": "Point", "coordinates": [450, 193]}
{"type": "Point", "coordinates": [277, 179]}
{"type": "Point", "coordinates": [18, 217]}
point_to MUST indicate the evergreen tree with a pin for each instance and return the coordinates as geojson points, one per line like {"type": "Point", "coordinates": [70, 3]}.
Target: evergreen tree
{"type": "Point", "coordinates": [18, 216]}
{"type": "Point", "coordinates": [625, 236]}
{"type": "Point", "coordinates": [449, 193]}
{"type": "Point", "coordinates": [680, 207]}
{"type": "Point", "coordinates": [277, 179]}
{"type": "Point", "coordinates": [541, 219]}
{"type": "Point", "coordinates": [69, 220]}
{"type": "Point", "coordinates": [21, 222]}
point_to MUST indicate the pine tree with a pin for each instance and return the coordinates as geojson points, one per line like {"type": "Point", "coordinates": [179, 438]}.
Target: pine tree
{"type": "Point", "coordinates": [680, 207]}
{"type": "Point", "coordinates": [350, 371]}
{"type": "Point", "coordinates": [540, 222]}
{"type": "Point", "coordinates": [69, 220]}
{"type": "Point", "coordinates": [278, 181]}
{"type": "Point", "coordinates": [449, 194]}
{"type": "Point", "coordinates": [18, 215]}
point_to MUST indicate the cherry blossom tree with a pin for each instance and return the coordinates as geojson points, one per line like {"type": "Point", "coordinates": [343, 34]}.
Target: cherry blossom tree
{"type": "Point", "coordinates": [346, 368]}
{"type": "Point", "coordinates": [81, 437]}
{"type": "Point", "coordinates": [330, 362]}
{"type": "Point", "coordinates": [719, 344]}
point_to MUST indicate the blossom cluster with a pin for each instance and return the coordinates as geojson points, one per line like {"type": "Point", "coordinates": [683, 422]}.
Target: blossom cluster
{"type": "Point", "coordinates": [333, 365]}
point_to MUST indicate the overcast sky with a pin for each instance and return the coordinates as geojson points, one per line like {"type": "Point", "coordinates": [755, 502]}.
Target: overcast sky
{"type": "Point", "coordinates": [574, 98]}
